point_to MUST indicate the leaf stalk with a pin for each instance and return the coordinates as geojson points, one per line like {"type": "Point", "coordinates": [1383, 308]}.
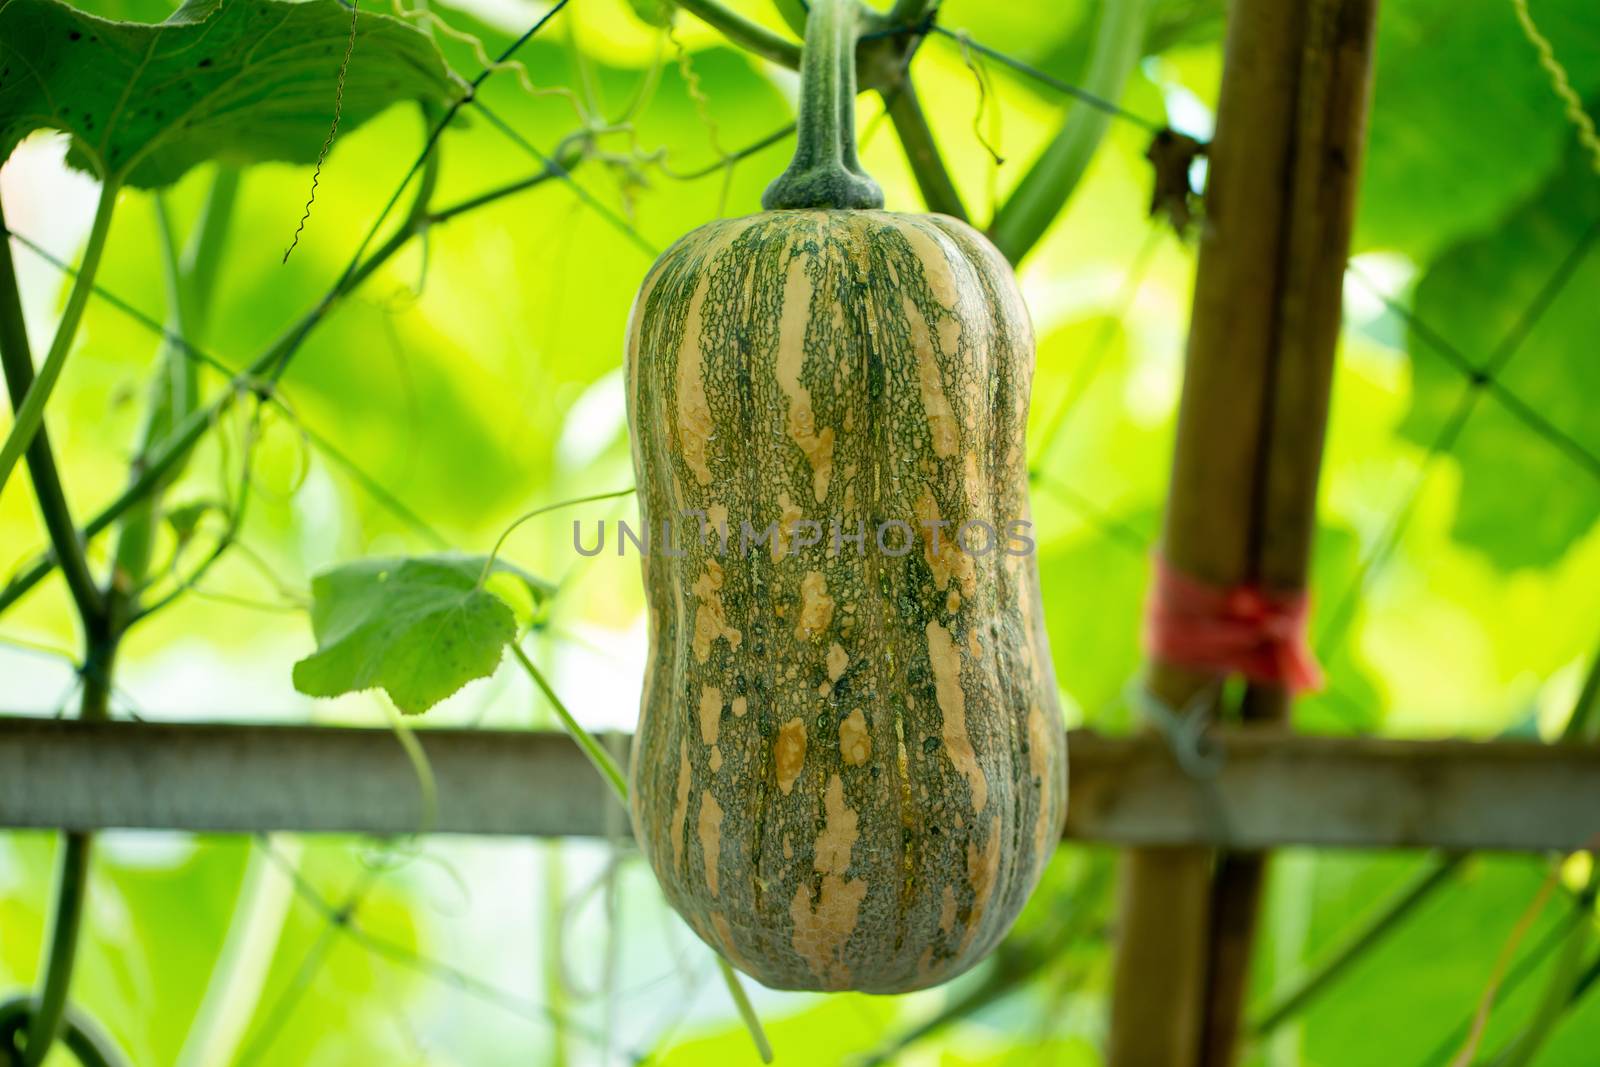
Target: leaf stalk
{"type": "Point", "coordinates": [30, 413]}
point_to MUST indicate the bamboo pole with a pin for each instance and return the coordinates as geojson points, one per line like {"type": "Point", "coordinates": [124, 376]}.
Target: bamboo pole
{"type": "Point", "coordinates": [1329, 141]}
{"type": "Point", "coordinates": [1241, 505]}
{"type": "Point", "coordinates": [1275, 789]}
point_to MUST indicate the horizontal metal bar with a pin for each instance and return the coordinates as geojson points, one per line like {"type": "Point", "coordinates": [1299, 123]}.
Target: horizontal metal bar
{"type": "Point", "coordinates": [1272, 789]}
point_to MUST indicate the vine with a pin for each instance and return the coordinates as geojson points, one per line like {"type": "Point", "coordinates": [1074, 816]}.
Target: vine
{"type": "Point", "coordinates": [177, 419]}
{"type": "Point", "coordinates": [1571, 102]}
{"type": "Point", "coordinates": [333, 129]}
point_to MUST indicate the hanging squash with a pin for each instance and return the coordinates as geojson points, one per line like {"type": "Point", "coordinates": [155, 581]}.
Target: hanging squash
{"type": "Point", "coordinates": [850, 766]}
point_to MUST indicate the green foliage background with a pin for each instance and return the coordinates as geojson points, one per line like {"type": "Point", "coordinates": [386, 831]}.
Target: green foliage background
{"type": "Point", "coordinates": [477, 376]}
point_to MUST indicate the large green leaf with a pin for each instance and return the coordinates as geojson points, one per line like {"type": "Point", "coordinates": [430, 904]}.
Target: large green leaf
{"type": "Point", "coordinates": [1464, 122]}
{"type": "Point", "coordinates": [246, 81]}
{"type": "Point", "coordinates": [418, 628]}
{"type": "Point", "coordinates": [1524, 499]}
{"type": "Point", "coordinates": [1410, 998]}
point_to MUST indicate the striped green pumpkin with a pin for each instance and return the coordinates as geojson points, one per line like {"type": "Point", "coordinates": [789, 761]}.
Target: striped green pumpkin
{"type": "Point", "coordinates": [850, 766]}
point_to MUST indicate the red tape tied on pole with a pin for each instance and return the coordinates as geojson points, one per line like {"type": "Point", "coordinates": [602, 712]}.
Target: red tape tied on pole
{"type": "Point", "coordinates": [1225, 630]}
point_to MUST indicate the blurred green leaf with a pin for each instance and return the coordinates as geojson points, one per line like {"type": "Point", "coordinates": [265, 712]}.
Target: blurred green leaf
{"type": "Point", "coordinates": [184, 519]}
{"type": "Point", "coordinates": [1169, 24]}
{"type": "Point", "coordinates": [831, 1030]}
{"type": "Point", "coordinates": [793, 13]}
{"type": "Point", "coordinates": [1401, 1002]}
{"type": "Point", "coordinates": [245, 82]}
{"type": "Point", "coordinates": [1442, 164]}
{"type": "Point", "coordinates": [418, 628]}
{"type": "Point", "coordinates": [1524, 499]}
{"type": "Point", "coordinates": [655, 12]}
{"type": "Point", "coordinates": [1096, 650]}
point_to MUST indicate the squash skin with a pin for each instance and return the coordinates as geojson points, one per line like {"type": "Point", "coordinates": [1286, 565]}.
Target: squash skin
{"type": "Point", "coordinates": [849, 769]}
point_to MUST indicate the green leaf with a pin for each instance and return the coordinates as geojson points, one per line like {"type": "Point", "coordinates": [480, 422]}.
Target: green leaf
{"type": "Point", "coordinates": [1410, 999]}
{"type": "Point", "coordinates": [129, 10]}
{"type": "Point", "coordinates": [1523, 499]}
{"type": "Point", "coordinates": [184, 519]}
{"type": "Point", "coordinates": [419, 628]}
{"type": "Point", "coordinates": [654, 12]}
{"type": "Point", "coordinates": [1440, 164]}
{"type": "Point", "coordinates": [245, 82]}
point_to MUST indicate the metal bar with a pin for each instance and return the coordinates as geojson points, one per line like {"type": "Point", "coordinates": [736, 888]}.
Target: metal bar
{"type": "Point", "coordinates": [1278, 789]}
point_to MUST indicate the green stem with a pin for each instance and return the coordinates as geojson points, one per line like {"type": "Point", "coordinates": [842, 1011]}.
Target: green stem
{"type": "Point", "coordinates": [1583, 725]}
{"type": "Point", "coordinates": [29, 394]}
{"type": "Point", "coordinates": [17, 358]}
{"type": "Point", "coordinates": [1044, 189]}
{"type": "Point", "coordinates": [555, 979]}
{"type": "Point", "coordinates": [88, 1045]}
{"type": "Point", "coordinates": [30, 414]}
{"type": "Point", "coordinates": [202, 260]}
{"type": "Point", "coordinates": [72, 883]}
{"type": "Point", "coordinates": [566, 156]}
{"type": "Point", "coordinates": [1562, 982]}
{"type": "Point", "coordinates": [420, 213]}
{"type": "Point", "coordinates": [72, 867]}
{"type": "Point", "coordinates": [417, 756]}
{"type": "Point", "coordinates": [825, 172]}
{"type": "Point", "coordinates": [173, 395]}
{"type": "Point", "coordinates": [744, 33]}
{"type": "Point", "coordinates": [175, 387]}
{"type": "Point", "coordinates": [922, 152]}
{"type": "Point", "coordinates": [1586, 981]}
{"type": "Point", "coordinates": [619, 784]}
{"type": "Point", "coordinates": [747, 1011]}
{"type": "Point", "coordinates": [585, 740]}
{"type": "Point", "coordinates": [239, 975]}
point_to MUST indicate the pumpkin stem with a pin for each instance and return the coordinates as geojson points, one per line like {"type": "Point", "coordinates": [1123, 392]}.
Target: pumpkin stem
{"type": "Point", "coordinates": [825, 172]}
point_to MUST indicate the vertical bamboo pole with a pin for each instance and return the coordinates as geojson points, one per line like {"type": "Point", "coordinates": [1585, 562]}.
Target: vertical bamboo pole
{"type": "Point", "coordinates": [1330, 136]}
{"type": "Point", "coordinates": [1241, 506]}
